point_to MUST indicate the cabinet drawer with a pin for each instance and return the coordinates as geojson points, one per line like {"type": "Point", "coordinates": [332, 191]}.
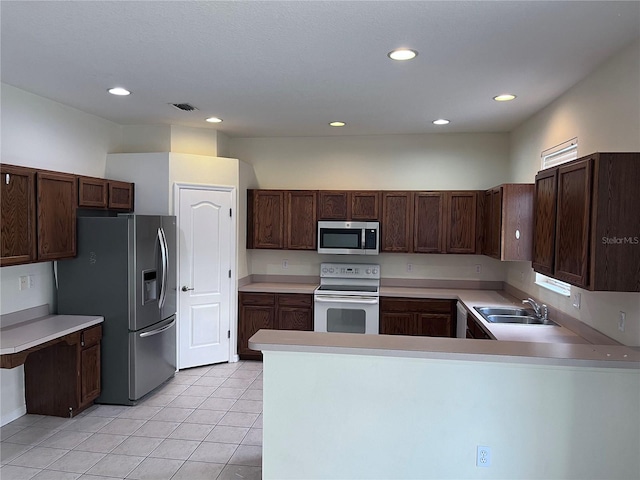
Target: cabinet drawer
{"type": "Point", "coordinates": [91, 336]}
{"type": "Point", "coordinates": [295, 300]}
{"type": "Point", "coordinates": [415, 305]}
{"type": "Point", "coordinates": [258, 298]}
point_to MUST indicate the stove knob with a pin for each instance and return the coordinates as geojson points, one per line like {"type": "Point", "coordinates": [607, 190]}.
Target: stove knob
{"type": "Point", "coordinates": [325, 270]}
{"type": "Point", "coordinates": [331, 270]}
{"type": "Point", "coordinates": [375, 271]}
{"type": "Point", "coordinates": [368, 271]}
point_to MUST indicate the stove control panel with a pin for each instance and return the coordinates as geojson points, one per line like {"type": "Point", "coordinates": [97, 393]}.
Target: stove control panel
{"type": "Point", "coordinates": [349, 270]}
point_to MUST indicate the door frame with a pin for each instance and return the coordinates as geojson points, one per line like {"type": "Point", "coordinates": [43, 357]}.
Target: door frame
{"type": "Point", "coordinates": [233, 307]}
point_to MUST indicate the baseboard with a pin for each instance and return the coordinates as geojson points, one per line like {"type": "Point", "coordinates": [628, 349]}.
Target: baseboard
{"type": "Point", "coordinates": [11, 416]}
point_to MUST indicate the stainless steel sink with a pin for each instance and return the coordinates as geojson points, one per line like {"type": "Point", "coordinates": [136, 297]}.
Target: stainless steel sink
{"type": "Point", "coordinates": [523, 316]}
{"type": "Point", "coordinates": [485, 311]}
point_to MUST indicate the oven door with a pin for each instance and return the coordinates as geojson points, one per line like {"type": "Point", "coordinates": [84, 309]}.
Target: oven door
{"type": "Point", "coordinates": [346, 314]}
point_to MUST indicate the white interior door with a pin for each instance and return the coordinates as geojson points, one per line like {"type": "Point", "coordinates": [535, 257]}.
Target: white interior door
{"type": "Point", "coordinates": [206, 246]}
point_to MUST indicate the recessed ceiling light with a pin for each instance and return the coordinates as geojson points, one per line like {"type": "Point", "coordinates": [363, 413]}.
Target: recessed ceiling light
{"type": "Point", "coordinates": [402, 54]}
{"type": "Point", "coordinates": [337, 124]}
{"type": "Point", "coordinates": [441, 121]}
{"type": "Point", "coordinates": [214, 120]}
{"type": "Point", "coordinates": [119, 91]}
{"type": "Point", "coordinates": [505, 97]}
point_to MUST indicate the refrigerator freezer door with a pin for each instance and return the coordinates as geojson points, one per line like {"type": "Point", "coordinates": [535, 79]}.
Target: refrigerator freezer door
{"type": "Point", "coordinates": [152, 353]}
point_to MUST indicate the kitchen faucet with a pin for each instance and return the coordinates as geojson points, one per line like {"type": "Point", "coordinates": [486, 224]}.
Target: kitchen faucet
{"type": "Point", "coordinates": [538, 309]}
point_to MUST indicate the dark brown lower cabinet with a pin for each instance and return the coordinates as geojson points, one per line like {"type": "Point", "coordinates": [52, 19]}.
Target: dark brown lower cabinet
{"type": "Point", "coordinates": [63, 378]}
{"type": "Point", "coordinates": [273, 311]}
{"type": "Point", "coordinates": [475, 330]}
{"type": "Point", "coordinates": [412, 316]}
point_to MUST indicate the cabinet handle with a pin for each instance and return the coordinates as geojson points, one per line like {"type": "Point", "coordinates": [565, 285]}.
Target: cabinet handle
{"type": "Point", "coordinates": [82, 339]}
{"type": "Point", "coordinates": [6, 179]}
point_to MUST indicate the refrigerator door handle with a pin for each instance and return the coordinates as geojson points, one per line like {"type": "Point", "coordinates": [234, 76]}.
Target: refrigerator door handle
{"type": "Point", "coordinates": [158, 330]}
{"type": "Point", "coordinates": [165, 267]}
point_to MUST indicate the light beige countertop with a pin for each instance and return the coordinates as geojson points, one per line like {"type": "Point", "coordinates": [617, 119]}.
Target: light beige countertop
{"type": "Point", "coordinates": [563, 354]}
{"type": "Point", "coordinates": [31, 333]}
{"type": "Point", "coordinates": [469, 298]}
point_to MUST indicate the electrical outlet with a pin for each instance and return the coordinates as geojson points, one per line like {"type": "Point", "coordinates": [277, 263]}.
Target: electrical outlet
{"type": "Point", "coordinates": [23, 282]}
{"type": "Point", "coordinates": [621, 319]}
{"type": "Point", "coordinates": [409, 267]}
{"type": "Point", "coordinates": [483, 456]}
{"type": "Point", "coordinates": [577, 298]}
{"type": "Point", "coordinates": [285, 264]}
{"type": "Point", "coordinates": [478, 268]}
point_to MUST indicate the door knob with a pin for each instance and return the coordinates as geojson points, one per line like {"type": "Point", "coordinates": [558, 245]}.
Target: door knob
{"type": "Point", "coordinates": [185, 289]}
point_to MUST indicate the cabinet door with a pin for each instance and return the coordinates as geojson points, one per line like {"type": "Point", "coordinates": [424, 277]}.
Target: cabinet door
{"type": "Point", "coordinates": [544, 221]}
{"type": "Point", "coordinates": [268, 219]}
{"type": "Point", "coordinates": [256, 311]}
{"type": "Point", "coordinates": [572, 223]}
{"type": "Point", "coordinates": [89, 374]}
{"type": "Point", "coordinates": [56, 206]}
{"type": "Point", "coordinates": [395, 323]}
{"type": "Point", "coordinates": [461, 215]}
{"type": "Point", "coordinates": [301, 220]}
{"type": "Point", "coordinates": [435, 325]}
{"type": "Point", "coordinates": [295, 318]}
{"type": "Point", "coordinates": [121, 195]}
{"type": "Point", "coordinates": [92, 192]}
{"type": "Point", "coordinates": [396, 222]}
{"type": "Point", "coordinates": [18, 223]}
{"type": "Point", "coordinates": [427, 222]}
{"type": "Point", "coordinates": [492, 222]}
{"type": "Point", "coordinates": [333, 205]}
{"type": "Point", "coordinates": [365, 206]}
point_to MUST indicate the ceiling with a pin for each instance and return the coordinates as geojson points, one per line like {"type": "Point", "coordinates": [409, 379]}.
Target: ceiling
{"type": "Point", "coordinates": [289, 68]}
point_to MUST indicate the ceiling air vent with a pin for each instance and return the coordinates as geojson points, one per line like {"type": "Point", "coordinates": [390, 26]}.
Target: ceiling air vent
{"type": "Point", "coordinates": [185, 107]}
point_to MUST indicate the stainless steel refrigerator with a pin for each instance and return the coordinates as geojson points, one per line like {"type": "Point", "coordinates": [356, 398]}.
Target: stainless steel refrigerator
{"type": "Point", "coordinates": [125, 271]}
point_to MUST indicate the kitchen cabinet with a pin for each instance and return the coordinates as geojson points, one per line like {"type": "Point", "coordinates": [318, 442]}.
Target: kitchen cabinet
{"type": "Point", "coordinates": [423, 317]}
{"type": "Point", "coordinates": [460, 221]}
{"type": "Point", "coordinates": [301, 220]}
{"type": "Point", "coordinates": [265, 219]}
{"type": "Point", "coordinates": [396, 226]}
{"type": "Point", "coordinates": [18, 223]}
{"type": "Point", "coordinates": [595, 241]}
{"type": "Point", "coordinates": [271, 311]}
{"type": "Point", "coordinates": [57, 200]}
{"type": "Point", "coordinates": [63, 378]}
{"type": "Point", "coordinates": [508, 222]}
{"type": "Point", "coordinates": [475, 330]}
{"type": "Point", "coordinates": [349, 205]}
{"type": "Point", "coordinates": [428, 215]}
{"type": "Point", "coordinates": [105, 194]}
{"type": "Point", "coordinates": [278, 219]}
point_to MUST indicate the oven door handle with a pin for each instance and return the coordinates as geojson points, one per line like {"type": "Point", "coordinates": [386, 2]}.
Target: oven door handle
{"type": "Point", "coordinates": [348, 299]}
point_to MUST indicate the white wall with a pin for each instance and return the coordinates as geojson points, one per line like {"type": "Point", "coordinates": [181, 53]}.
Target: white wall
{"type": "Point", "coordinates": [332, 416]}
{"type": "Point", "coordinates": [603, 111]}
{"type": "Point", "coordinates": [40, 133]}
{"type": "Point", "coordinates": [403, 162]}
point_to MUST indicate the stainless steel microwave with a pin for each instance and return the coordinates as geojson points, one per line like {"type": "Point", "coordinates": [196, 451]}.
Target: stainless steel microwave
{"type": "Point", "coordinates": [348, 238]}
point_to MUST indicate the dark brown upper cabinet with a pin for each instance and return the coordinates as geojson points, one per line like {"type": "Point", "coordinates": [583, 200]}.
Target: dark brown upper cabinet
{"type": "Point", "coordinates": [301, 220]}
{"type": "Point", "coordinates": [349, 205]}
{"type": "Point", "coordinates": [278, 219]}
{"type": "Point", "coordinates": [265, 219]}
{"type": "Point", "coordinates": [18, 198]}
{"type": "Point", "coordinates": [105, 194]}
{"type": "Point", "coordinates": [508, 222]}
{"type": "Point", "coordinates": [596, 237]}
{"type": "Point", "coordinates": [428, 215]}
{"type": "Point", "coordinates": [396, 225]}
{"type": "Point", "coordinates": [56, 215]}
{"type": "Point", "coordinates": [544, 220]}
{"type": "Point", "coordinates": [461, 213]}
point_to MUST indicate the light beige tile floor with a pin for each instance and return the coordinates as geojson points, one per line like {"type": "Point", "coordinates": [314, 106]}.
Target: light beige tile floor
{"type": "Point", "coordinates": [204, 424]}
